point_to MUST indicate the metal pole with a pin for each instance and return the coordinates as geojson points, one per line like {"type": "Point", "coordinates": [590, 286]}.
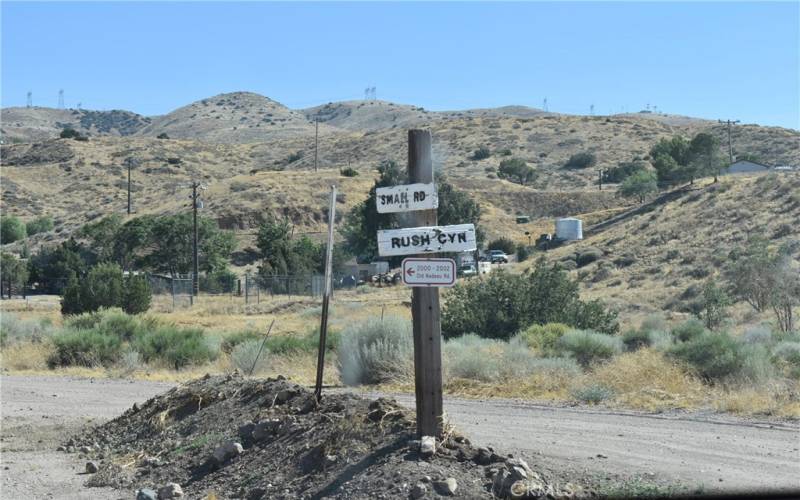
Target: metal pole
{"type": "Point", "coordinates": [323, 327]}
{"type": "Point", "coordinates": [252, 368]}
{"type": "Point", "coordinates": [425, 305]}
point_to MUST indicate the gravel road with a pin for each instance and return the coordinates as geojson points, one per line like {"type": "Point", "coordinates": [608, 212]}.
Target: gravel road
{"type": "Point", "coordinates": [716, 451]}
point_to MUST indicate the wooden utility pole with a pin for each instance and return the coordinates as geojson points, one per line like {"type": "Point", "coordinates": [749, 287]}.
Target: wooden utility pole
{"type": "Point", "coordinates": [316, 142]}
{"type": "Point", "coordinates": [129, 188]}
{"type": "Point", "coordinates": [195, 259]}
{"type": "Point", "coordinates": [323, 327]}
{"type": "Point", "coordinates": [600, 179]}
{"type": "Point", "coordinates": [425, 304]}
{"type": "Point", "coordinates": [730, 143]}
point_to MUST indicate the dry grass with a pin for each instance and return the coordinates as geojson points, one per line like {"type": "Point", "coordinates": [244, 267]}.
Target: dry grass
{"type": "Point", "coordinates": [26, 356]}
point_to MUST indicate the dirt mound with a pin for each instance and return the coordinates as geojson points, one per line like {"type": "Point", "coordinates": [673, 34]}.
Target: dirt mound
{"type": "Point", "coordinates": [231, 437]}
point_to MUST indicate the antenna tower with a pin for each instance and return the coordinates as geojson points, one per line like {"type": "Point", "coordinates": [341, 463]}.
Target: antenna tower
{"type": "Point", "coordinates": [544, 104]}
{"type": "Point", "coordinates": [30, 99]}
{"type": "Point", "coordinates": [591, 110]}
{"type": "Point", "coordinates": [61, 99]}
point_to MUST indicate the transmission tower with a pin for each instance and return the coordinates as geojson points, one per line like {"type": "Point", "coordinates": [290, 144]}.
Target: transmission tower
{"type": "Point", "coordinates": [79, 105]}
{"type": "Point", "coordinates": [544, 104]}
{"type": "Point", "coordinates": [61, 99]}
{"type": "Point", "coordinates": [30, 99]}
{"type": "Point", "coordinates": [591, 110]}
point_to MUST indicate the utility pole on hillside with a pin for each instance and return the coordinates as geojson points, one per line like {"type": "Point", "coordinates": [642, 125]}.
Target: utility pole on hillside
{"type": "Point", "coordinates": [316, 142]}
{"type": "Point", "coordinates": [730, 144]}
{"type": "Point", "coordinates": [29, 100]}
{"type": "Point", "coordinates": [129, 188]}
{"type": "Point", "coordinates": [195, 258]}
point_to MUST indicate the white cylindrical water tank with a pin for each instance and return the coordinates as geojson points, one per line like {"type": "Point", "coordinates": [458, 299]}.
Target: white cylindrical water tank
{"type": "Point", "coordinates": [569, 228]}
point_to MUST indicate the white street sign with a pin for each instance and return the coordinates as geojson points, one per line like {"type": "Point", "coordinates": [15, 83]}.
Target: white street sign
{"type": "Point", "coordinates": [419, 240]}
{"type": "Point", "coordinates": [407, 198]}
{"type": "Point", "coordinates": [429, 272]}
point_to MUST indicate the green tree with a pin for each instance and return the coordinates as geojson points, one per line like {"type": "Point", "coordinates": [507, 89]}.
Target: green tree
{"type": "Point", "coordinates": [102, 236]}
{"type": "Point", "coordinates": [273, 242]}
{"type": "Point", "coordinates": [51, 267]}
{"type": "Point", "coordinates": [639, 185]}
{"type": "Point", "coordinates": [481, 153]}
{"type": "Point", "coordinates": [11, 229]}
{"type": "Point", "coordinates": [39, 225]}
{"type": "Point", "coordinates": [516, 170]}
{"type": "Point", "coordinates": [581, 160]}
{"type": "Point", "coordinates": [705, 157]}
{"type": "Point", "coordinates": [751, 271]}
{"type": "Point", "coordinates": [715, 303]}
{"type": "Point", "coordinates": [171, 244]}
{"type": "Point", "coordinates": [72, 300]}
{"type": "Point", "coordinates": [670, 158]}
{"type": "Point", "coordinates": [615, 175]}
{"type": "Point", "coordinates": [103, 287]}
{"type": "Point", "coordinates": [13, 273]}
{"type": "Point", "coordinates": [137, 294]}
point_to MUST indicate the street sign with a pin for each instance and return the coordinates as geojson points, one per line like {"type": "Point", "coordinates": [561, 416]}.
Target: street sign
{"type": "Point", "coordinates": [429, 272]}
{"type": "Point", "coordinates": [419, 240]}
{"type": "Point", "coordinates": [407, 198]}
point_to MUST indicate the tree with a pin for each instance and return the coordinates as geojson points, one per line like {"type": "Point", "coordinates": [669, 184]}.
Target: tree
{"type": "Point", "coordinates": [704, 155]}
{"type": "Point", "coordinates": [273, 245]}
{"type": "Point", "coordinates": [507, 245]}
{"type": "Point", "coordinates": [162, 135]}
{"type": "Point", "coordinates": [137, 295]}
{"type": "Point", "coordinates": [71, 133]}
{"type": "Point", "coordinates": [516, 170]}
{"type": "Point", "coordinates": [715, 302]}
{"type": "Point", "coordinates": [639, 185]}
{"type": "Point", "coordinates": [751, 273]}
{"type": "Point", "coordinates": [51, 267]}
{"type": "Point", "coordinates": [39, 225]}
{"type": "Point", "coordinates": [785, 292]}
{"type": "Point", "coordinates": [103, 287]}
{"type": "Point", "coordinates": [581, 160]}
{"type": "Point", "coordinates": [102, 236]}
{"type": "Point", "coordinates": [362, 223]}
{"type": "Point", "coordinates": [11, 229]}
{"type": "Point", "coordinates": [615, 175]}
{"type": "Point", "coordinates": [171, 244]}
{"type": "Point", "coordinates": [481, 153]}
{"type": "Point", "coordinates": [13, 273]}
{"type": "Point", "coordinates": [670, 158]}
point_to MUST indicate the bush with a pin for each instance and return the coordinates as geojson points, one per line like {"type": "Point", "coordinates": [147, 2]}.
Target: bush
{"type": "Point", "coordinates": [85, 348]}
{"type": "Point", "coordinates": [636, 339]}
{"type": "Point", "coordinates": [117, 323]}
{"type": "Point", "coordinates": [375, 351]}
{"type": "Point", "coordinates": [581, 160]}
{"type": "Point", "coordinates": [246, 357]}
{"type": "Point", "coordinates": [502, 304]}
{"type": "Point", "coordinates": [588, 255]}
{"type": "Point", "coordinates": [137, 295]}
{"type": "Point", "coordinates": [220, 280]}
{"type": "Point", "coordinates": [505, 244]}
{"type": "Point", "coordinates": [523, 252]}
{"type": "Point", "coordinates": [229, 342]}
{"type": "Point", "coordinates": [756, 366]}
{"type": "Point", "coordinates": [481, 153]}
{"type": "Point", "coordinates": [470, 357]}
{"type": "Point", "coordinates": [176, 347]}
{"type": "Point", "coordinates": [11, 229]}
{"type": "Point", "coordinates": [714, 355]}
{"type": "Point", "coordinates": [70, 133]}
{"type": "Point", "coordinates": [689, 330]}
{"type": "Point", "coordinates": [588, 347]}
{"type": "Point", "coordinates": [13, 329]}
{"type": "Point", "coordinates": [758, 334]}
{"type": "Point", "coordinates": [593, 393]}
{"type": "Point", "coordinates": [348, 172]}
{"type": "Point", "coordinates": [516, 170]}
{"type": "Point", "coordinates": [39, 225]}
{"type": "Point", "coordinates": [544, 338]}
{"type": "Point", "coordinates": [787, 357]}
{"type": "Point", "coordinates": [162, 135]}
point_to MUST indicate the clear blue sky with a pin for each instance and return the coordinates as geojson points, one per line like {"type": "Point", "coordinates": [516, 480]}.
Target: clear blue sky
{"type": "Point", "coordinates": [713, 60]}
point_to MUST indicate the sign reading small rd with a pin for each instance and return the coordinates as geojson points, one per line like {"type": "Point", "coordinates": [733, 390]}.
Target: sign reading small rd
{"type": "Point", "coordinates": [406, 198]}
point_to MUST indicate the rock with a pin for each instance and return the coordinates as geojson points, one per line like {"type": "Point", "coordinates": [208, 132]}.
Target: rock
{"type": "Point", "coordinates": [85, 449]}
{"type": "Point", "coordinates": [285, 395]}
{"type": "Point", "coordinates": [172, 490]}
{"type": "Point", "coordinates": [152, 461]}
{"type": "Point", "coordinates": [427, 446]}
{"type": "Point", "coordinates": [484, 456]}
{"type": "Point", "coordinates": [256, 494]}
{"type": "Point", "coordinates": [61, 448]}
{"type": "Point", "coordinates": [265, 429]}
{"type": "Point", "coordinates": [134, 408]}
{"type": "Point", "coordinates": [418, 491]}
{"type": "Point", "coordinates": [227, 451]}
{"type": "Point", "coordinates": [246, 430]}
{"type": "Point", "coordinates": [70, 449]}
{"type": "Point", "coordinates": [446, 487]}
{"type": "Point", "coordinates": [91, 467]}
{"type": "Point", "coordinates": [146, 494]}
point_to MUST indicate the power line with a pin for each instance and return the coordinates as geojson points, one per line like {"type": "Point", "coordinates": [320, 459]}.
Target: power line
{"type": "Point", "coordinates": [730, 144]}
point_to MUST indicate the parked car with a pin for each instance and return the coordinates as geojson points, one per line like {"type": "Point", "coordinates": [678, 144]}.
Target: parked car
{"type": "Point", "coordinates": [498, 257]}
{"type": "Point", "coordinates": [467, 270]}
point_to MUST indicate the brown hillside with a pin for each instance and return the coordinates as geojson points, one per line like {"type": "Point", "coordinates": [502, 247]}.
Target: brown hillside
{"type": "Point", "coordinates": [37, 124]}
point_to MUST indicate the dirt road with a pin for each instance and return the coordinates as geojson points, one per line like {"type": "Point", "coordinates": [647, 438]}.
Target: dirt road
{"type": "Point", "coordinates": [718, 452]}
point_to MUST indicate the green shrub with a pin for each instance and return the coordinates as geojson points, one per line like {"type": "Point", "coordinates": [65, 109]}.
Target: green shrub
{"type": "Point", "coordinates": [39, 225]}
{"type": "Point", "coordinates": [11, 229]}
{"type": "Point", "coordinates": [230, 341]}
{"type": "Point", "coordinates": [516, 170]}
{"type": "Point", "coordinates": [348, 172]}
{"type": "Point", "coordinates": [137, 295]}
{"type": "Point", "coordinates": [544, 338]}
{"type": "Point", "coordinates": [117, 323]}
{"type": "Point", "coordinates": [581, 160]}
{"type": "Point", "coordinates": [176, 347]}
{"type": "Point", "coordinates": [162, 135]}
{"type": "Point", "coordinates": [756, 367]}
{"type": "Point", "coordinates": [13, 329]}
{"type": "Point", "coordinates": [689, 330]}
{"type": "Point", "coordinates": [249, 355]}
{"type": "Point", "coordinates": [85, 348]}
{"type": "Point", "coordinates": [757, 334]}
{"type": "Point", "coordinates": [71, 133]}
{"type": "Point", "coordinates": [375, 351]}
{"type": "Point", "coordinates": [654, 322]}
{"type": "Point", "coordinates": [787, 357]}
{"type": "Point", "coordinates": [593, 393]}
{"type": "Point", "coordinates": [481, 153]}
{"type": "Point", "coordinates": [523, 252]}
{"type": "Point", "coordinates": [470, 357]}
{"type": "Point", "coordinates": [588, 347]}
{"type": "Point", "coordinates": [505, 244]}
{"type": "Point", "coordinates": [636, 339]}
{"type": "Point", "coordinates": [714, 355]}
{"type": "Point", "coordinates": [220, 280]}
{"type": "Point", "coordinates": [588, 255]}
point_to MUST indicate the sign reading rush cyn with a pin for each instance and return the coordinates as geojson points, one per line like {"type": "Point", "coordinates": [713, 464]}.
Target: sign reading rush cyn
{"type": "Point", "coordinates": [419, 240]}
